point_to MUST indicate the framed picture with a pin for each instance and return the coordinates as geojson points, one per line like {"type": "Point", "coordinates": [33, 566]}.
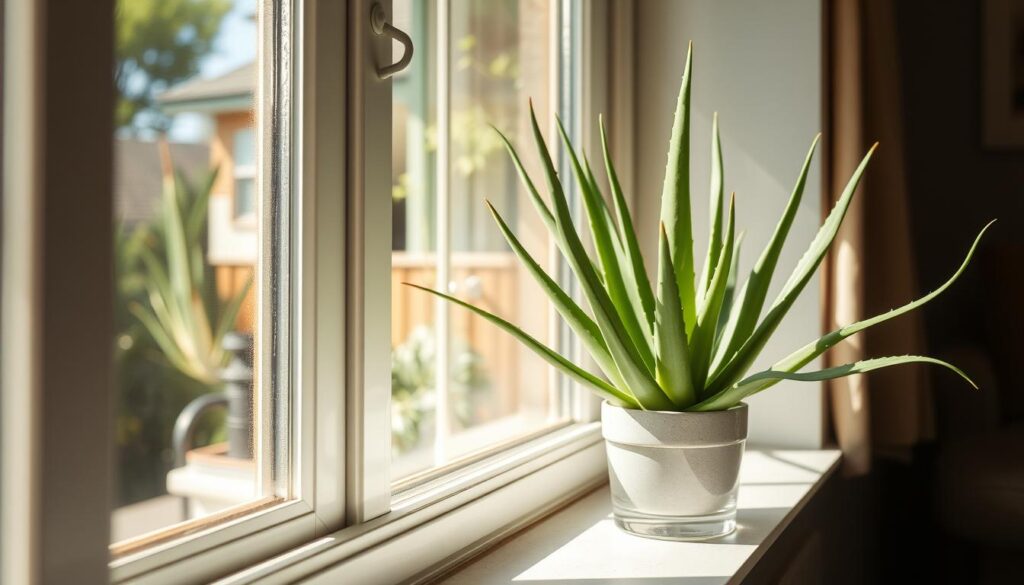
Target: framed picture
{"type": "Point", "coordinates": [1002, 73]}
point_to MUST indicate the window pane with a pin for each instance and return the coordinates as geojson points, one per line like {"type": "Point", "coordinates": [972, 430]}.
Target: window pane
{"type": "Point", "coordinates": [496, 55]}
{"type": "Point", "coordinates": [186, 272]}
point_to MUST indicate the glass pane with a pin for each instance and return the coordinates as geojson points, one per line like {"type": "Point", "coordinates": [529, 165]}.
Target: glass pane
{"type": "Point", "coordinates": [497, 55]}
{"type": "Point", "coordinates": [186, 272]}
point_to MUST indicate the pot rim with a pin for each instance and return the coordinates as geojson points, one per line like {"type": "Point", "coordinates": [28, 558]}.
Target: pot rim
{"type": "Point", "coordinates": [666, 428]}
{"type": "Point", "coordinates": [739, 406]}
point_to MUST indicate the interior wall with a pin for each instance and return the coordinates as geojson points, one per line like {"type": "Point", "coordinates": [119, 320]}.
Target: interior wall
{"type": "Point", "coordinates": [956, 184]}
{"type": "Point", "coordinates": [759, 64]}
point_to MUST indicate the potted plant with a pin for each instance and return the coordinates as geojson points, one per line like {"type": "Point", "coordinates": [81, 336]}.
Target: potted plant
{"type": "Point", "coordinates": [675, 356]}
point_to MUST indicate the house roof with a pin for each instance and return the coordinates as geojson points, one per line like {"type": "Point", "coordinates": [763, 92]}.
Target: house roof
{"type": "Point", "coordinates": [228, 92]}
{"type": "Point", "coordinates": [138, 178]}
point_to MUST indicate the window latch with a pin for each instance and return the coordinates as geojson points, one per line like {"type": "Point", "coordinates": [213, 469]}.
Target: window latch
{"type": "Point", "coordinates": [381, 26]}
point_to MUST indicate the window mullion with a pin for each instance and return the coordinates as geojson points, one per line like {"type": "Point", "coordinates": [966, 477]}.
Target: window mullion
{"type": "Point", "coordinates": [442, 315]}
{"type": "Point", "coordinates": [321, 360]}
{"type": "Point", "coordinates": [368, 330]}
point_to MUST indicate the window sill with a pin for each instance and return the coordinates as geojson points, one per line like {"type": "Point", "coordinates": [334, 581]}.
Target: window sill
{"type": "Point", "coordinates": [581, 543]}
{"type": "Point", "coordinates": [432, 526]}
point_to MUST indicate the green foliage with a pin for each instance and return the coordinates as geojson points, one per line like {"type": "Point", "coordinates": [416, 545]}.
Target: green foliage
{"type": "Point", "coordinates": [688, 348]}
{"type": "Point", "coordinates": [413, 379]}
{"type": "Point", "coordinates": [156, 376]}
{"type": "Point", "coordinates": [181, 311]}
{"type": "Point", "coordinates": [159, 43]}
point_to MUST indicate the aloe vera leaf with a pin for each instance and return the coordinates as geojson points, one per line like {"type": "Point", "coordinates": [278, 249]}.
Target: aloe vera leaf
{"type": "Point", "coordinates": [673, 359]}
{"type": "Point", "coordinates": [168, 347]}
{"type": "Point", "coordinates": [730, 289]}
{"type": "Point", "coordinates": [538, 203]}
{"type": "Point", "coordinates": [639, 381]}
{"type": "Point", "coordinates": [761, 380]}
{"type": "Point", "coordinates": [752, 295]}
{"type": "Point", "coordinates": [178, 269]}
{"type": "Point", "coordinates": [735, 367]}
{"type": "Point", "coordinates": [604, 389]}
{"type": "Point", "coordinates": [231, 310]}
{"type": "Point", "coordinates": [633, 268]}
{"type": "Point", "coordinates": [604, 244]}
{"type": "Point", "coordinates": [625, 263]}
{"type": "Point", "coordinates": [803, 356]}
{"type": "Point", "coordinates": [581, 324]}
{"type": "Point", "coordinates": [675, 199]}
{"type": "Point", "coordinates": [196, 220]}
{"type": "Point", "coordinates": [606, 214]}
{"type": "Point", "coordinates": [858, 367]}
{"type": "Point", "coordinates": [702, 342]}
{"type": "Point", "coordinates": [716, 202]}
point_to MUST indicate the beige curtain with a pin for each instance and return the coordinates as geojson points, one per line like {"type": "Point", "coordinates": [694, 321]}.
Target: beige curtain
{"type": "Point", "coordinates": [871, 266]}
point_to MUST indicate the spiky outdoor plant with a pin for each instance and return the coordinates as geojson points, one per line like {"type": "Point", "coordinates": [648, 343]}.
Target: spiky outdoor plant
{"type": "Point", "coordinates": [184, 315]}
{"type": "Point", "coordinates": [687, 344]}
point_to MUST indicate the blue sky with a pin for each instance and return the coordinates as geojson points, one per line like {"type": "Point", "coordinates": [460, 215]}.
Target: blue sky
{"type": "Point", "coordinates": [236, 42]}
{"type": "Point", "coordinates": [235, 45]}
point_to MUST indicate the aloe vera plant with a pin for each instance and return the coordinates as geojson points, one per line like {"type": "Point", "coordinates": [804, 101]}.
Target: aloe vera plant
{"type": "Point", "coordinates": [687, 343]}
{"type": "Point", "coordinates": [183, 315]}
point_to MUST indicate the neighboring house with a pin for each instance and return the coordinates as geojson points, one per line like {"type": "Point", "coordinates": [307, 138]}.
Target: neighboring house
{"type": "Point", "coordinates": [138, 176]}
{"type": "Point", "coordinates": [233, 243]}
{"type": "Point", "coordinates": [479, 263]}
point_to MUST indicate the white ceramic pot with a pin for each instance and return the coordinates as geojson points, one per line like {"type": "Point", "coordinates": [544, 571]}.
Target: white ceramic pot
{"type": "Point", "coordinates": [674, 475]}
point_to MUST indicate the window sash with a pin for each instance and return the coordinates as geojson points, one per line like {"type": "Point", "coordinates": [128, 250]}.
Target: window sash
{"type": "Point", "coordinates": [326, 479]}
{"type": "Point", "coordinates": [370, 485]}
{"type": "Point", "coordinates": [298, 103]}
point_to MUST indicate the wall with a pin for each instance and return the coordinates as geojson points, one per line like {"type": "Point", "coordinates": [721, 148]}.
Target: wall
{"type": "Point", "coordinates": [232, 246]}
{"type": "Point", "coordinates": [759, 65]}
{"type": "Point", "coordinates": [955, 183]}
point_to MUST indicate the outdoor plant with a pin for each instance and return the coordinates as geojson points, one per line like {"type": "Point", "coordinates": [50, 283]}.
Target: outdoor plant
{"type": "Point", "coordinates": [413, 382]}
{"type": "Point", "coordinates": [182, 312]}
{"type": "Point", "coordinates": [687, 343]}
{"type": "Point", "coordinates": [156, 377]}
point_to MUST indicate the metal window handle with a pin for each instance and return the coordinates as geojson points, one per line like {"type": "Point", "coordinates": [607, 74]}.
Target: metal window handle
{"type": "Point", "coordinates": [381, 26]}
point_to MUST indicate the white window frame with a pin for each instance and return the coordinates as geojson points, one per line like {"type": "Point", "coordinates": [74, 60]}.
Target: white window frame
{"type": "Point", "coordinates": [309, 363]}
{"type": "Point", "coordinates": [338, 436]}
{"type": "Point", "coordinates": [370, 481]}
{"type": "Point", "coordinates": [419, 533]}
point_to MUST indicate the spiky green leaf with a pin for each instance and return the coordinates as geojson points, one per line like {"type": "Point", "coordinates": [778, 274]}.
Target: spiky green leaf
{"type": "Point", "coordinates": [730, 289]}
{"type": "Point", "coordinates": [675, 199]}
{"type": "Point", "coordinates": [605, 242]}
{"type": "Point", "coordinates": [230, 313]}
{"type": "Point", "coordinates": [638, 379]}
{"type": "Point", "coordinates": [761, 380]}
{"type": "Point", "coordinates": [574, 316]}
{"type": "Point", "coordinates": [801, 357]}
{"type": "Point", "coordinates": [673, 359]}
{"type": "Point", "coordinates": [734, 368]}
{"type": "Point", "coordinates": [703, 337]}
{"type": "Point", "coordinates": [751, 299]}
{"type": "Point", "coordinates": [633, 268]}
{"type": "Point", "coordinates": [859, 367]}
{"type": "Point", "coordinates": [717, 198]}
{"type": "Point", "coordinates": [604, 389]}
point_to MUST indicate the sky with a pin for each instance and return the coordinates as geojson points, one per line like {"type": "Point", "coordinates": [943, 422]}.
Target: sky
{"type": "Point", "coordinates": [235, 45]}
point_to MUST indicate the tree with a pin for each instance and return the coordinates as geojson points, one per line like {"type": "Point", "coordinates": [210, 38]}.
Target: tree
{"type": "Point", "coordinates": [159, 43]}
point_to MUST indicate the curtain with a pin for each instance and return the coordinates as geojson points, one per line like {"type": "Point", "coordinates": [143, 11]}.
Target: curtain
{"type": "Point", "coordinates": [870, 268]}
